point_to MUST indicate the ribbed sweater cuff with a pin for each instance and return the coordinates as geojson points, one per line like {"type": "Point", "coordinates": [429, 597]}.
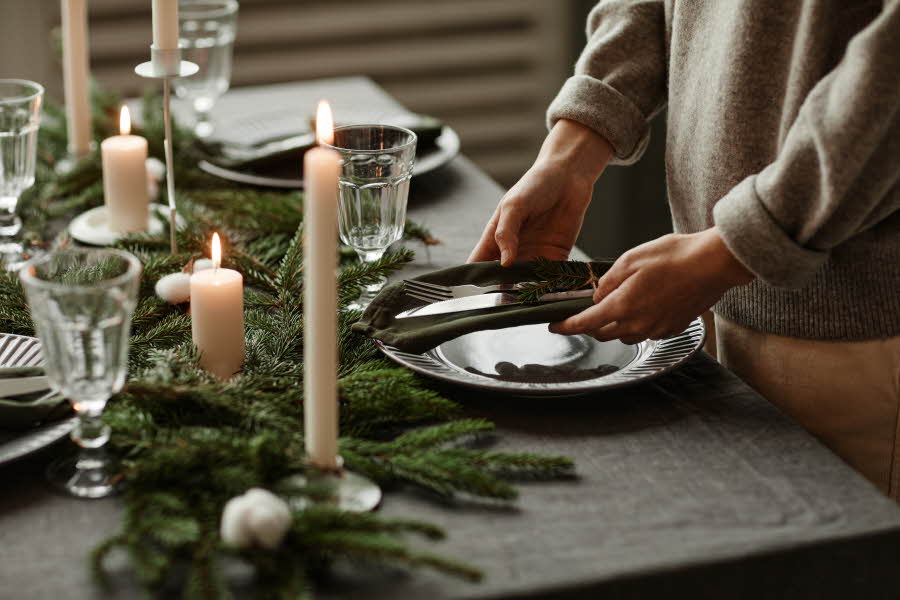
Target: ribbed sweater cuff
{"type": "Point", "coordinates": [601, 107]}
{"type": "Point", "coordinates": [756, 239]}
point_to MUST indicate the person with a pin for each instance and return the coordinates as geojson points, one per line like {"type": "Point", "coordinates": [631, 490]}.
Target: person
{"type": "Point", "coordinates": [783, 178]}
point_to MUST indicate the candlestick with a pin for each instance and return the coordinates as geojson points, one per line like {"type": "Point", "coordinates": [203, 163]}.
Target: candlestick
{"type": "Point", "coordinates": [124, 160]}
{"type": "Point", "coordinates": [165, 63]}
{"type": "Point", "coordinates": [217, 316]}
{"type": "Point", "coordinates": [344, 489]}
{"type": "Point", "coordinates": [321, 167]}
{"type": "Point", "coordinates": [75, 77]}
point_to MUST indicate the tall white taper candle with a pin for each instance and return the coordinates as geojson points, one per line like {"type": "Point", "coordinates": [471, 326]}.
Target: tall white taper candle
{"type": "Point", "coordinates": [321, 167]}
{"type": "Point", "coordinates": [165, 24]}
{"type": "Point", "coordinates": [75, 76]}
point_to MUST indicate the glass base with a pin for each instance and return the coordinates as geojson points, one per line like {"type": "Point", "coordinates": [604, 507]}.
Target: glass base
{"type": "Point", "coordinates": [368, 294]}
{"type": "Point", "coordinates": [342, 489]}
{"type": "Point", "coordinates": [81, 476]}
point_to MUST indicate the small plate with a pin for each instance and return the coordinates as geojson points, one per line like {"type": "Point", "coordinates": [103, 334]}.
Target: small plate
{"type": "Point", "coordinates": [91, 227]}
{"type": "Point", "coordinates": [22, 351]}
{"type": "Point", "coordinates": [530, 361]}
{"type": "Point", "coordinates": [447, 147]}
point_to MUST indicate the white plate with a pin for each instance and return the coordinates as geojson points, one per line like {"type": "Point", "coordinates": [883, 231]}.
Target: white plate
{"type": "Point", "coordinates": [530, 361]}
{"type": "Point", "coordinates": [92, 226]}
{"type": "Point", "coordinates": [447, 147]}
{"type": "Point", "coordinates": [21, 351]}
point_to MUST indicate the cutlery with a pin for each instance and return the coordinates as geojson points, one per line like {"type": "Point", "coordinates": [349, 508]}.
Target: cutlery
{"type": "Point", "coordinates": [487, 301]}
{"type": "Point", "coordinates": [432, 292]}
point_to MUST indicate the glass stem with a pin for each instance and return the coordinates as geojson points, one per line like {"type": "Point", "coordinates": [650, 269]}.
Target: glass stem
{"type": "Point", "coordinates": [10, 224]}
{"type": "Point", "coordinates": [203, 127]}
{"type": "Point", "coordinates": [90, 433]}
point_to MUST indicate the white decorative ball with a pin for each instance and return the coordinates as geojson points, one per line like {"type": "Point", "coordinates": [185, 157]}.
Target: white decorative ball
{"type": "Point", "coordinates": [201, 264]}
{"type": "Point", "coordinates": [152, 190]}
{"type": "Point", "coordinates": [174, 288]}
{"type": "Point", "coordinates": [256, 517]}
{"type": "Point", "coordinates": [156, 169]}
{"type": "Point", "coordinates": [234, 529]}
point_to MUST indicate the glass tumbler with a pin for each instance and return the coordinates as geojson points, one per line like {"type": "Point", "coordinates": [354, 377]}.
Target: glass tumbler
{"type": "Point", "coordinates": [81, 302]}
{"type": "Point", "coordinates": [207, 31]}
{"type": "Point", "coordinates": [20, 109]}
{"type": "Point", "coordinates": [376, 166]}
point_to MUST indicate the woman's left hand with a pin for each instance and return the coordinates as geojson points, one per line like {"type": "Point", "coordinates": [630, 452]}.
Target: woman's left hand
{"type": "Point", "coordinates": [655, 290]}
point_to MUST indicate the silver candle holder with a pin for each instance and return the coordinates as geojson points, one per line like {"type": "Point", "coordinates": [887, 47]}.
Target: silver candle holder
{"type": "Point", "coordinates": [167, 65]}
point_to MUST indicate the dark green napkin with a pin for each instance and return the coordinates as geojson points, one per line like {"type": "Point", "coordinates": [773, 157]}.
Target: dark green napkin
{"type": "Point", "coordinates": [26, 410]}
{"type": "Point", "coordinates": [419, 334]}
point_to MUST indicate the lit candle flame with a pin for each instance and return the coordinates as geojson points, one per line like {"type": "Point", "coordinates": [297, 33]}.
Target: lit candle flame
{"type": "Point", "coordinates": [324, 123]}
{"type": "Point", "coordinates": [216, 251]}
{"type": "Point", "coordinates": [124, 121]}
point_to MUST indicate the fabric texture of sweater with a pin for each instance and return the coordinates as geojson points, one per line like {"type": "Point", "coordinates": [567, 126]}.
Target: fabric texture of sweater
{"type": "Point", "coordinates": [783, 131]}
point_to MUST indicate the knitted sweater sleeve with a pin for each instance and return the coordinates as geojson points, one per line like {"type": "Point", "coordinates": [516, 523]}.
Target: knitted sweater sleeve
{"type": "Point", "coordinates": [620, 79]}
{"type": "Point", "coordinates": [837, 171]}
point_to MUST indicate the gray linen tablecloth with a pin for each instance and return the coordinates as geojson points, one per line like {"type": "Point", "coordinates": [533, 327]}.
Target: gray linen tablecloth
{"type": "Point", "coordinates": [688, 486]}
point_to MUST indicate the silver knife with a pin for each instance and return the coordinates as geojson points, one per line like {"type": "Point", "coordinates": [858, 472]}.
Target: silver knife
{"type": "Point", "coordinates": [486, 301]}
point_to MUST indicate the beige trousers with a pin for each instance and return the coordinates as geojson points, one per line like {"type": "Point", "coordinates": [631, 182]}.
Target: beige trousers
{"type": "Point", "coordinates": [847, 394]}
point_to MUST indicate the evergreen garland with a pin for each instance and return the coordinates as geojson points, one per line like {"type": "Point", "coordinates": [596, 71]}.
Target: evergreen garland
{"type": "Point", "coordinates": [186, 443]}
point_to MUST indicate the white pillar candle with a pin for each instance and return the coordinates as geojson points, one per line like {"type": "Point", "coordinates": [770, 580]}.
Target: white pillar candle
{"type": "Point", "coordinates": [165, 24]}
{"type": "Point", "coordinates": [125, 178]}
{"type": "Point", "coordinates": [321, 167]}
{"type": "Point", "coordinates": [75, 76]}
{"type": "Point", "coordinates": [217, 316]}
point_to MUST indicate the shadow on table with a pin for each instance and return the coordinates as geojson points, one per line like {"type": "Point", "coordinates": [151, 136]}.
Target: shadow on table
{"type": "Point", "coordinates": [655, 403]}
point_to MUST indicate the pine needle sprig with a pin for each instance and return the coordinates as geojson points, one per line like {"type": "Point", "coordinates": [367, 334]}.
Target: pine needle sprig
{"type": "Point", "coordinates": [559, 276]}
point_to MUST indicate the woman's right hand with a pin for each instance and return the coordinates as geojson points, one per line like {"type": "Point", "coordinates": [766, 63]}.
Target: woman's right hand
{"type": "Point", "coordinates": [542, 213]}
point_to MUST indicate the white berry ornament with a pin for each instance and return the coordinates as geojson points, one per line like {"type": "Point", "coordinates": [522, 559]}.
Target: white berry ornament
{"type": "Point", "coordinates": [174, 288]}
{"type": "Point", "coordinates": [257, 517]}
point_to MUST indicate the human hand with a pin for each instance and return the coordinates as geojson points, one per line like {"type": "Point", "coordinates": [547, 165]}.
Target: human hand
{"type": "Point", "coordinates": [542, 214]}
{"type": "Point", "coordinates": [655, 290]}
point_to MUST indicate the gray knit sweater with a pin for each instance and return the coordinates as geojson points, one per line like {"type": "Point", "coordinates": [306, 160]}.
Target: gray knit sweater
{"type": "Point", "coordinates": [783, 130]}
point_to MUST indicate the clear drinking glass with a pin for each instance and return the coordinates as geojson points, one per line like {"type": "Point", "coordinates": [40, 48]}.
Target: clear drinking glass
{"type": "Point", "coordinates": [20, 110]}
{"type": "Point", "coordinates": [206, 37]}
{"type": "Point", "coordinates": [376, 166]}
{"type": "Point", "coordinates": [81, 302]}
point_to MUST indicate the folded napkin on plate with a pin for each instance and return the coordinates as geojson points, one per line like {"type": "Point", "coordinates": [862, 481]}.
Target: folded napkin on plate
{"type": "Point", "coordinates": [419, 334]}
{"type": "Point", "coordinates": [26, 410]}
{"type": "Point", "coordinates": [273, 156]}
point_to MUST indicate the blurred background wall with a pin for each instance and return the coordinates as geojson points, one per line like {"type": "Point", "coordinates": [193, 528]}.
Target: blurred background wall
{"type": "Point", "coordinates": [486, 67]}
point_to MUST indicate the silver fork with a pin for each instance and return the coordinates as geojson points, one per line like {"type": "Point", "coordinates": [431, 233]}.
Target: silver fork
{"type": "Point", "coordinates": [432, 292]}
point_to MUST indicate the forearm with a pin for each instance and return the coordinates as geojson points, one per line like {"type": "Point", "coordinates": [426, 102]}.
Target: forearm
{"type": "Point", "coordinates": [576, 149]}
{"type": "Point", "coordinates": [619, 83]}
{"type": "Point", "coordinates": [835, 175]}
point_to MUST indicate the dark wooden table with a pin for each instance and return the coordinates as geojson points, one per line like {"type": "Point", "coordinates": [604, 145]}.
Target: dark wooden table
{"type": "Point", "coordinates": [689, 486]}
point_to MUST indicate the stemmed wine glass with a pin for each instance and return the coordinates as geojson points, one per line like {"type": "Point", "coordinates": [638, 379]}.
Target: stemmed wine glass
{"type": "Point", "coordinates": [20, 110]}
{"type": "Point", "coordinates": [81, 302]}
{"type": "Point", "coordinates": [376, 166]}
{"type": "Point", "coordinates": [207, 31]}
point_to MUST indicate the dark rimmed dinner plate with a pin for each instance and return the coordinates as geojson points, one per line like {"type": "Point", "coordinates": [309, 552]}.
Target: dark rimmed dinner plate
{"type": "Point", "coordinates": [446, 148]}
{"type": "Point", "coordinates": [530, 361]}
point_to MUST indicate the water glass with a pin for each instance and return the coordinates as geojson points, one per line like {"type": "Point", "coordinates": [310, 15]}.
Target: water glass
{"type": "Point", "coordinates": [376, 166]}
{"type": "Point", "coordinates": [20, 109]}
{"type": "Point", "coordinates": [81, 302]}
{"type": "Point", "coordinates": [207, 31]}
